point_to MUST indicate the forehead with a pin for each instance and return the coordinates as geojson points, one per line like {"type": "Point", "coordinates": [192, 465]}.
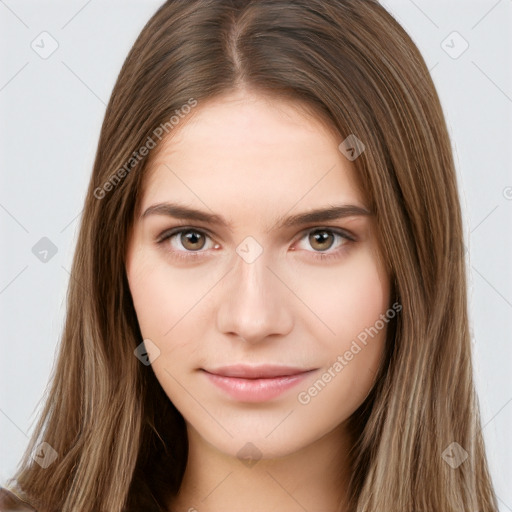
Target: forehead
{"type": "Point", "coordinates": [254, 154]}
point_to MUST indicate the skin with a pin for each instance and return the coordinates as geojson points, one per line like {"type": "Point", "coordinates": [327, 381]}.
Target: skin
{"type": "Point", "coordinates": [254, 160]}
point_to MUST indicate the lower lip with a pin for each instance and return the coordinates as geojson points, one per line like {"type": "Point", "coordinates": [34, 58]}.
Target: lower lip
{"type": "Point", "coordinates": [256, 390]}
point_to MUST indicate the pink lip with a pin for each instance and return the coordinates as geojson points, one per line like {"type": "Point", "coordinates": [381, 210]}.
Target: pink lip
{"type": "Point", "coordinates": [257, 383]}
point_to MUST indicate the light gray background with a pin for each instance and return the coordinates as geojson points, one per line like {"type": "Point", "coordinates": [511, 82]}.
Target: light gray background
{"type": "Point", "coordinates": [51, 113]}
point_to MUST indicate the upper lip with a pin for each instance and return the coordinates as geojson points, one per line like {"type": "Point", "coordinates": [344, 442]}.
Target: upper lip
{"type": "Point", "coordinates": [266, 371]}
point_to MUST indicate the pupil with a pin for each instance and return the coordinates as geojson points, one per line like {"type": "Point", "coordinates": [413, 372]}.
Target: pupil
{"type": "Point", "coordinates": [192, 237]}
{"type": "Point", "coordinates": [321, 237]}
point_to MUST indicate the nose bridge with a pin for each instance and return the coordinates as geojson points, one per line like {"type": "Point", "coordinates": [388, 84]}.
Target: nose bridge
{"type": "Point", "coordinates": [254, 304]}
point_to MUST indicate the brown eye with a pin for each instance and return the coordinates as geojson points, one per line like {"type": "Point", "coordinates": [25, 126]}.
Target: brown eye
{"type": "Point", "coordinates": [325, 243]}
{"type": "Point", "coordinates": [321, 240]}
{"type": "Point", "coordinates": [192, 240]}
{"type": "Point", "coordinates": [186, 244]}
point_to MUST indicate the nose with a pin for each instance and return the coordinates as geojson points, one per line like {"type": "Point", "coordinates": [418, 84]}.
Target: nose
{"type": "Point", "coordinates": [254, 302]}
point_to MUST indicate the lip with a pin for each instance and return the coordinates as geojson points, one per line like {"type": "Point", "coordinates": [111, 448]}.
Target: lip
{"type": "Point", "coordinates": [256, 383]}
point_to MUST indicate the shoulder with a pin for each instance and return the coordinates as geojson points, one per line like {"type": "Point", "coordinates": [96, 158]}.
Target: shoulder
{"type": "Point", "coordinates": [10, 502]}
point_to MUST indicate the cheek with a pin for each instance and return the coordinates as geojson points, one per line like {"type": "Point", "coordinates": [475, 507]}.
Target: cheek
{"type": "Point", "coordinates": [352, 303]}
{"type": "Point", "coordinates": [148, 295]}
{"type": "Point", "coordinates": [347, 298]}
{"type": "Point", "coordinates": [363, 298]}
{"type": "Point", "coordinates": [164, 297]}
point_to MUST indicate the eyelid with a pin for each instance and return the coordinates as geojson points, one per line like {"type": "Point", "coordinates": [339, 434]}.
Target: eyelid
{"type": "Point", "coordinates": [183, 227]}
{"type": "Point", "coordinates": [343, 233]}
{"type": "Point", "coordinates": [166, 234]}
{"type": "Point", "coordinates": [330, 254]}
{"type": "Point", "coordinates": [334, 229]}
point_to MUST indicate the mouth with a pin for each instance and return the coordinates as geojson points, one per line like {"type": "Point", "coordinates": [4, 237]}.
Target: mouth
{"type": "Point", "coordinates": [256, 383]}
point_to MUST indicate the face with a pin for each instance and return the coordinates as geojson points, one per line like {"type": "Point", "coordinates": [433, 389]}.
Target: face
{"type": "Point", "coordinates": [250, 309]}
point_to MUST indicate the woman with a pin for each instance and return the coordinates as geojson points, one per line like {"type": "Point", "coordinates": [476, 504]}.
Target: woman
{"type": "Point", "coordinates": [268, 305]}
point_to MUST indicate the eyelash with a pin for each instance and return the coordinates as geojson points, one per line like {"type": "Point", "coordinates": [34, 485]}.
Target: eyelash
{"type": "Point", "coordinates": [319, 255]}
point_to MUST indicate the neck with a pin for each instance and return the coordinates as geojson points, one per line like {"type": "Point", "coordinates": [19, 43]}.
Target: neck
{"type": "Point", "coordinates": [313, 478]}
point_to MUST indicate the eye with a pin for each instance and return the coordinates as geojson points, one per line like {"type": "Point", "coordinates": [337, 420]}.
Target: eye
{"type": "Point", "coordinates": [323, 239]}
{"type": "Point", "coordinates": [185, 242]}
{"type": "Point", "coordinates": [189, 242]}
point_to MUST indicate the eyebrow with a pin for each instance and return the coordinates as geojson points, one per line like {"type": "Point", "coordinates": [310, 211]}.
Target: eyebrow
{"type": "Point", "coordinates": [332, 212]}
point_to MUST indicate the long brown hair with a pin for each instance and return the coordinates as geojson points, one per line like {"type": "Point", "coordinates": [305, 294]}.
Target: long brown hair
{"type": "Point", "coordinates": [121, 444]}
